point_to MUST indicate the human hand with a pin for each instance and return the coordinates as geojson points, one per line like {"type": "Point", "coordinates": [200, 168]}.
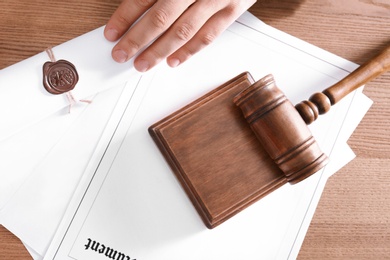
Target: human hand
{"type": "Point", "coordinates": [176, 29]}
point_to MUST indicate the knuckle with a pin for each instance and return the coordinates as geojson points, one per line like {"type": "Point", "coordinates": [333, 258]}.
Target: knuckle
{"type": "Point", "coordinates": [207, 38]}
{"type": "Point", "coordinates": [123, 18]}
{"type": "Point", "coordinates": [159, 18]}
{"type": "Point", "coordinates": [154, 54]}
{"type": "Point", "coordinates": [131, 43]}
{"type": "Point", "coordinates": [185, 31]}
{"type": "Point", "coordinates": [234, 7]}
{"type": "Point", "coordinates": [187, 52]}
{"type": "Point", "coordinates": [231, 9]}
{"type": "Point", "coordinates": [144, 3]}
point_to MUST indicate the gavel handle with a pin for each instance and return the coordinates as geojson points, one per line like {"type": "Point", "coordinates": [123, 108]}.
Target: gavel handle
{"type": "Point", "coordinates": [320, 103]}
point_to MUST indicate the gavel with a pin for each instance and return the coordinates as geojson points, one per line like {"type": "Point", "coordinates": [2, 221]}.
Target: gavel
{"type": "Point", "coordinates": [282, 128]}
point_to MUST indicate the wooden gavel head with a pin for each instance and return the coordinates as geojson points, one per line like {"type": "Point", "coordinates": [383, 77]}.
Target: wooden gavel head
{"type": "Point", "coordinates": [281, 127]}
{"type": "Point", "coordinates": [281, 130]}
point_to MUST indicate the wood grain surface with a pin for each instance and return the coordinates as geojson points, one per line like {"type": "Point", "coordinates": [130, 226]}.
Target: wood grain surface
{"type": "Point", "coordinates": [352, 220]}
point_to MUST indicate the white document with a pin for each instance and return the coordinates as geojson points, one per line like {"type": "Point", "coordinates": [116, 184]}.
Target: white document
{"type": "Point", "coordinates": [35, 210]}
{"type": "Point", "coordinates": [33, 120]}
{"type": "Point", "coordinates": [25, 150]}
{"type": "Point", "coordinates": [23, 93]}
{"type": "Point", "coordinates": [130, 203]}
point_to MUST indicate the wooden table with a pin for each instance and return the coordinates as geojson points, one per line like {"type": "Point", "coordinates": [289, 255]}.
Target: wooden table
{"type": "Point", "coordinates": [352, 220]}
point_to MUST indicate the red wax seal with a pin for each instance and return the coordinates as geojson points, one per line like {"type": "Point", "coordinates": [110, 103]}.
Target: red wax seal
{"type": "Point", "coordinates": [59, 77]}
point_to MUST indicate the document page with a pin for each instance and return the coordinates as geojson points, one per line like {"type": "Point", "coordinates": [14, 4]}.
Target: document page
{"type": "Point", "coordinates": [129, 204]}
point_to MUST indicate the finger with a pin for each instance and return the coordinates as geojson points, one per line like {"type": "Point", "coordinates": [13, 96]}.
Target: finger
{"type": "Point", "coordinates": [158, 19]}
{"type": "Point", "coordinates": [124, 17]}
{"type": "Point", "coordinates": [207, 34]}
{"type": "Point", "coordinates": [176, 36]}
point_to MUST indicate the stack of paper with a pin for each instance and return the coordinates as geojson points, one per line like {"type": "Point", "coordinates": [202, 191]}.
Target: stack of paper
{"type": "Point", "coordinates": [92, 184]}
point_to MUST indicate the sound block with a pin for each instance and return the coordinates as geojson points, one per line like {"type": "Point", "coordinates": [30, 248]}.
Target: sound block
{"type": "Point", "coordinates": [215, 155]}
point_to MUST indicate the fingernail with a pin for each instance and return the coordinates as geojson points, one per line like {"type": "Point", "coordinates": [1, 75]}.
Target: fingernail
{"type": "Point", "coordinates": [112, 35]}
{"type": "Point", "coordinates": [142, 65]}
{"type": "Point", "coordinates": [120, 56]}
{"type": "Point", "coordinates": [174, 62]}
